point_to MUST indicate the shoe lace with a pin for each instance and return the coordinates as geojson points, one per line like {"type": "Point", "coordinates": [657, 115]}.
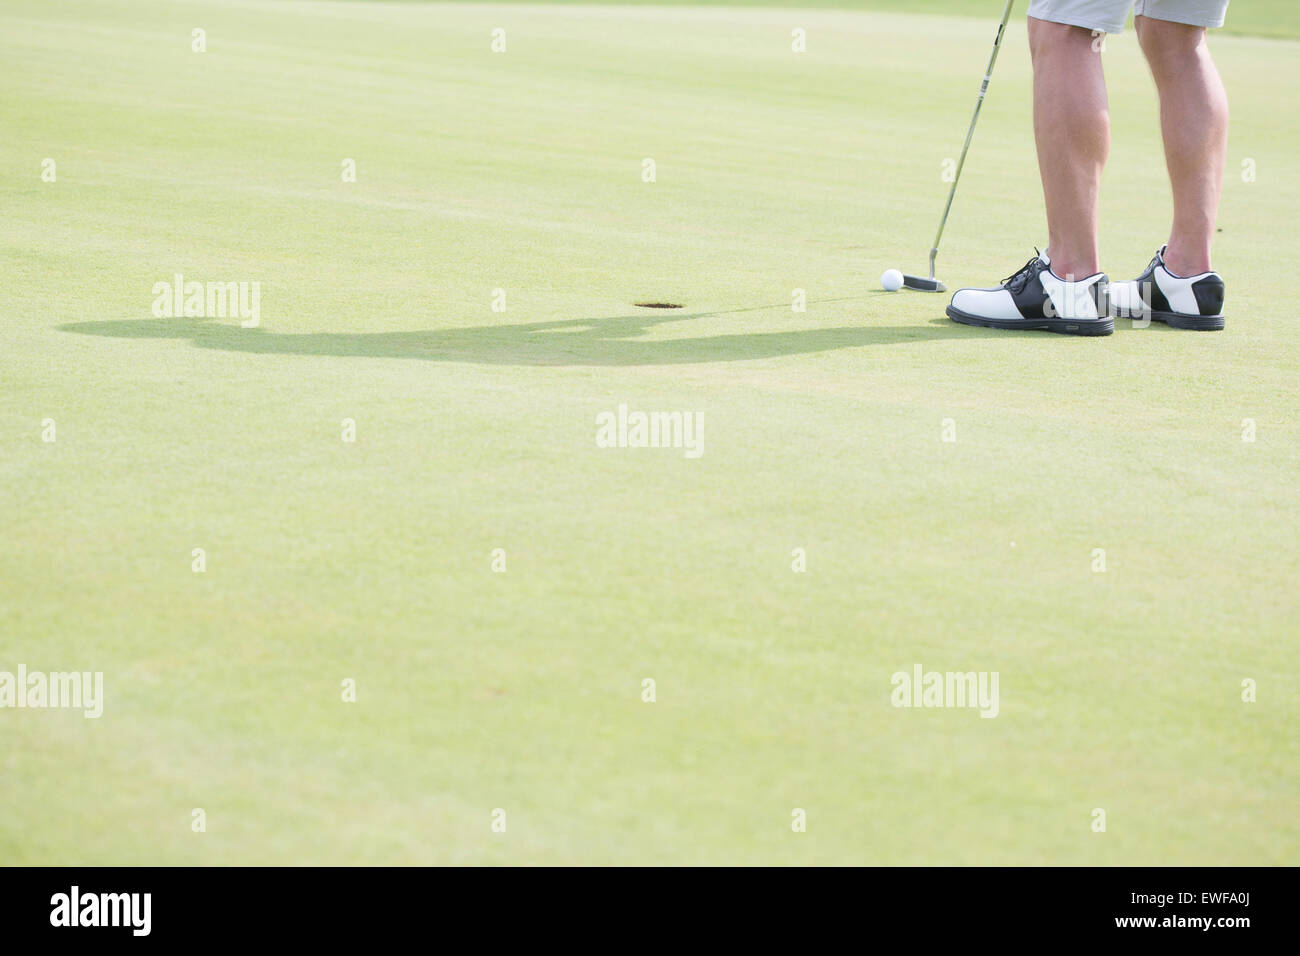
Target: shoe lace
{"type": "Point", "coordinates": [1016, 281]}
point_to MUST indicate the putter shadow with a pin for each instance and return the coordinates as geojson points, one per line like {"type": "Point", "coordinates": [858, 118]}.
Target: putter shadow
{"type": "Point", "coordinates": [611, 341]}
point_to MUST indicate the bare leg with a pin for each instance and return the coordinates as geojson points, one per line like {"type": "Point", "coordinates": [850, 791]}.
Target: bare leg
{"type": "Point", "coordinates": [1194, 121]}
{"type": "Point", "coordinates": [1072, 130]}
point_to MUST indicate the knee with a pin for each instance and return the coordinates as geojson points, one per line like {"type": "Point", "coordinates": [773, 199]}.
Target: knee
{"type": "Point", "coordinates": [1168, 46]}
{"type": "Point", "coordinates": [1047, 38]}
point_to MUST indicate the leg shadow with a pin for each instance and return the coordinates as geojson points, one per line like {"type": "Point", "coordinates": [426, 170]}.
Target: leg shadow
{"type": "Point", "coordinates": [611, 341]}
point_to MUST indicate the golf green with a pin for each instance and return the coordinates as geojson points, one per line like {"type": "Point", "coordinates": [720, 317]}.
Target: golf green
{"type": "Point", "coordinates": [396, 483]}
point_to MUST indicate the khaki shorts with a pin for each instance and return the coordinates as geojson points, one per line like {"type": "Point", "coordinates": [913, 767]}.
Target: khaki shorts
{"type": "Point", "coordinates": [1108, 16]}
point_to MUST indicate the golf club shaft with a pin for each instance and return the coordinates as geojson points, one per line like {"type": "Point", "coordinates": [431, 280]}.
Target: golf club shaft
{"type": "Point", "coordinates": [988, 75]}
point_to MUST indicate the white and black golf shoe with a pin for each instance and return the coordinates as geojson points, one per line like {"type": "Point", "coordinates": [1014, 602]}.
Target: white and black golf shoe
{"type": "Point", "coordinates": [1181, 302]}
{"type": "Point", "coordinates": [1037, 298]}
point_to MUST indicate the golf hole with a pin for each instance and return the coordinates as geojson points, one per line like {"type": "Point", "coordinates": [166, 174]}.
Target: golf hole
{"type": "Point", "coordinates": [658, 305]}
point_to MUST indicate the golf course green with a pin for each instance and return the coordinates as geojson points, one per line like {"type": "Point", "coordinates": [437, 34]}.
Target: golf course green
{"type": "Point", "coordinates": [387, 484]}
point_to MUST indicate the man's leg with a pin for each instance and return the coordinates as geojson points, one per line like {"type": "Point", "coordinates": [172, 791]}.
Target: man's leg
{"type": "Point", "coordinates": [1194, 121]}
{"type": "Point", "coordinates": [1072, 130]}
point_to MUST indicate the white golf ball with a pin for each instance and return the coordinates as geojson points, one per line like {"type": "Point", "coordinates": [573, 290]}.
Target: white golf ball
{"type": "Point", "coordinates": [892, 280]}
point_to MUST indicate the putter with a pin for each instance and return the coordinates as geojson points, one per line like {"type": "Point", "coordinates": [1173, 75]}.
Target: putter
{"type": "Point", "coordinates": [921, 283]}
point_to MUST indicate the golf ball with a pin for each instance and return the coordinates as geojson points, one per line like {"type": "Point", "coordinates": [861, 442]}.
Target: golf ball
{"type": "Point", "coordinates": [892, 280]}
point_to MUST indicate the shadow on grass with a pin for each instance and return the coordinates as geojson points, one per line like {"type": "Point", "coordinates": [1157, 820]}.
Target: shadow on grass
{"type": "Point", "coordinates": [601, 341]}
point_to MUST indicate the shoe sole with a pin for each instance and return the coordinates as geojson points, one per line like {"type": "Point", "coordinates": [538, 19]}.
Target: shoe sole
{"type": "Point", "coordinates": [1102, 326]}
{"type": "Point", "coordinates": [1197, 323]}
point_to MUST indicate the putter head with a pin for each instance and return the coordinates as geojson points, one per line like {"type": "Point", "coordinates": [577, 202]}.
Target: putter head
{"type": "Point", "coordinates": [922, 284]}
